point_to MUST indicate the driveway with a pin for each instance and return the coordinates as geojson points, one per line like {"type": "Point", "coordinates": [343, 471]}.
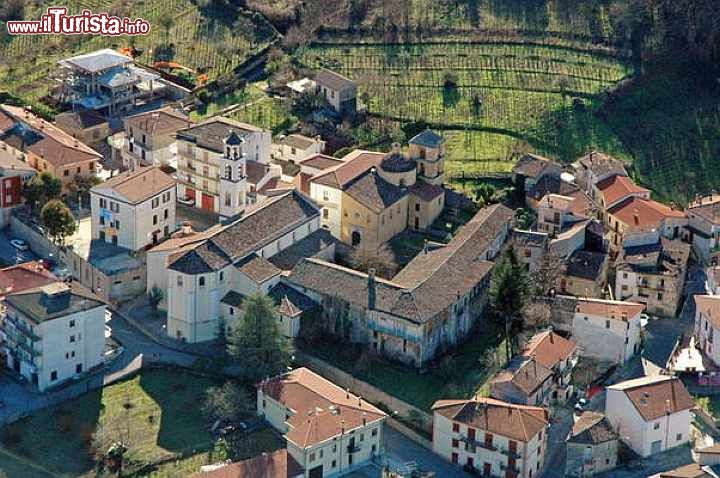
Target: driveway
{"type": "Point", "coordinates": [8, 254]}
{"type": "Point", "coordinates": [400, 451]}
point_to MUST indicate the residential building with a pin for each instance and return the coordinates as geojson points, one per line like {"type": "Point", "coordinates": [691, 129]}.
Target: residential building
{"type": "Point", "coordinates": [592, 446]}
{"type": "Point", "coordinates": [491, 437]}
{"type": "Point", "coordinates": [309, 167]}
{"type": "Point", "coordinates": [584, 274]}
{"type": "Point", "coordinates": [222, 164]}
{"type": "Point", "coordinates": [707, 455]}
{"type": "Point", "coordinates": [653, 275]}
{"type": "Point", "coordinates": [371, 197]}
{"type": "Point", "coordinates": [595, 167]}
{"type": "Point", "coordinates": [47, 147]}
{"type": "Point", "coordinates": [558, 354]}
{"type": "Point", "coordinates": [150, 138]}
{"type": "Point", "coordinates": [694, 470]}
{"type": "Point", "coordinates": [294, 148]}
{"type": "Point", "coordinates": [636, 221]}
{"type": "Point", "coordinates": [650, 414]}
{"type": "Point", "coordinates": [53, 333]}
{"type": "Point", "coordinates": [106, 81]}
{"type": "Point", "coordinates": [338, 90]}
{"type": "Point", "coordinates": [523, 381]}
{"type": "Point", "coordinates": [607, 330]}
{"type": "Point", "coordinates": [707, 325]}
{"type": "Point", "coordinates": [712, 281]}
{"type": "Point", "coordinates": [429, 306]}
{"type": "Point", "coordinates": [134, 209]}
{"type": "Point", "coordinates": [208, 279]}
{"type": "Point", "coordinates": [277, 464]}
{"type": "Point", "coordinates": [14, 174]}
{"type": "Point", "coordinates": [329, 431]}
{"type": "Point", "coordinates": [539, 176]}
{"type": "Point", "coordinates": [614, 189]}
{"type": "Point", "coordinates": [85, 125]}
{"type": "Point", "coordinates": [704, 227]}
{"type": "Point", "coordinates": [531, 247]}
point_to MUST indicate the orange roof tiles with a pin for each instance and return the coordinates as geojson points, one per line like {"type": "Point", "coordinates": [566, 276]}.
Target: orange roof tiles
{"type": "Point", "coordinates": [619, 187]}
{"type": "Point", "coordinates": [28, 275]}
{"type": "Point", "coordinates": [709, 305]}
{"type": "Point", "coordinates": [642, 214]}
{"type": "Point", "coordinates": [612, 309]}
{"type": "Point", "coordinates": [355, 163]}
{"type": "Point", "coordinates": [654, 397]}
{"type": "Point", "coordinates": [549, 348]}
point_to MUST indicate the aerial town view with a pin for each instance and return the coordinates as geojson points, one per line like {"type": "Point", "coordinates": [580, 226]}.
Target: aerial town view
{"type": "Point", "coordinates": [359, 238]}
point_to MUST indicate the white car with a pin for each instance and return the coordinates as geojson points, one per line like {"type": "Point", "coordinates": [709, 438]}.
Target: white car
{"type": "Point", "coordinates": [19, 244]}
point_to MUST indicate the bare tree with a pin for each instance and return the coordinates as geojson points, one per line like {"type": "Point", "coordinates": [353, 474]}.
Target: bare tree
{"type": "Point", "coordinates": [537, 315]}
{"type": "Point", "coordinates": [547, 273]}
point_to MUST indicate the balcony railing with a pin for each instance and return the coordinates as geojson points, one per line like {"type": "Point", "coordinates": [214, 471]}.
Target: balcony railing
{"type": "Point", "coordinates": [509, 453]}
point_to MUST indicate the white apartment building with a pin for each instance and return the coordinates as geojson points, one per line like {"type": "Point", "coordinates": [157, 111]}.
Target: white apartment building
{"type": "Point", "coordinates": [607, 330]}
{"type": "Point", "coordinates": [492, 437]}
{"type": "Point", "coordinates": [704, 227]}
{"type": "Point", "coordinates": [329, 430]}
{"type": "Point", "coordinates": [201, 150]}
{"type": "Point", "coordinates": [208, 279]}
{"type": "Point", "coordinates": [150, 138]}
{"type": "Point", "coordinates": [134, 209]}
{"type": "Point", "coordinates": [296, 147]}
{"type": "Point", "coordinates": [650, 414]}
{"type": "Point", "coordinates": [707, 325]}
{"type": "Point", "coordinates": [53, 333]}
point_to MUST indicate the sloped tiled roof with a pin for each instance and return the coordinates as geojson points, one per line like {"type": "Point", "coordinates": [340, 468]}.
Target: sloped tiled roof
{"type": "Point", "coordinates": [427, 138]}
{"type": "Point", "coordinates": [211, 134]}
{"type": "Point", "coordinates": [278, 464]}
{"type": "Point", "coordinates": [27, 275]}
{"type": "Point", "coordinates": [297, 141]}
{"type": "Point", "coordinates": [525, 373]}
{"type": "Point", "coordinates": [533, 166]}
{"type": "Point", "coordinates": [373, 192]}
{"type": "Point", "coordinates": [290, 302]}
{"type": "Point", "coordinates": [137, 186]}
{"type": "Point", "coordinates": [257, 268]}
{"type": "Point", "coordinates": [333, 80]}
{"type": "Point", "coordinates": [162, 121]}
{"type": "Point", "coordinates": [618, 187]}
{"type": "Point", "coordinates": [602, 164]}
{"type": "Point", "coordinates": [611, 309]}
{"type": "Point", "coordinates": [592, 428]}
{"type": "Point", "coordinates": [643, 214]}
{"type": "Point", "coordinates": [654, 397]}
{"type": "Point", "coordinates": [321, 161]}
{"type": "Point", "coordinates": [41, 305]}
{"type": "Point", "coordinates": [549, 348]}
{"type": "Point", "coordinates": [709, 306]}
{"type": "Point", "coordinates": [426, 191]}
{"type": "Point", "coordinates": [586, 264]}
{"type": "Point", "coordinates": [693, 470]}
{"type": "Point", "coordinates": [322, 409]}
{"type": "Point", "coordinates": [517, 422]}
{"type": "Point", "coordinates": [80, 119]}
{"type": "Point", "coordinates": [354, 164]}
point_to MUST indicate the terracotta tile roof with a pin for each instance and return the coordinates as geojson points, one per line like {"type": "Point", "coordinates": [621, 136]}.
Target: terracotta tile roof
{"type": "Point", "coordinates": [611, 309]}
{"type": "Point", "coordinates": [354, 164]}
{"type": "Point", "coordinates": [257, 268]}
{"type": "Point", "coordinates": [333, 80]}
{"type": "Point", "coordinates": [79, 119]}
{"type": "Point", "coordinates": [549, 348]}
{"type": "Point", "coordinates": [693, 470]}
{"type": "Point", "coordinates": [9, 161]}
{"type": "Point", "coordinates": [525, 373]}
{"type": "Point", "coordinates": [322, 409]}
{"type": "Point", "coordinates": [27, 275]}
{"type": "Point", "coordinates": [161, 121]}
{"type": "Point", "coordinates": [273, 186]}
{"type": "Point", "coordinates": [45, 140]}
{"type": "Point", "coordinates": [321, 161]}
{"type": "Point", "coordinates": [373, 192]}
{"type": "Point", "coordinates": [425, 191]}
{"type": "Point", "coordinates": [592, 428]}
{"type": "Point", "coordinates": [654, 397]}
{"type": "Point", "coordinates": [709, 306]}
{"type": "Point", "coordinates": [581, 204]}
{"type": "Point", "coordinates": [278, 464]}
{"type": "Point", "coordinates": [179, 240]}
{"type": "Point", "coordinates": [618, 187]}
{"type": "Point", "coordinates": [517, 422]}
{"type": "Point", "coordinates": [707, 208]}
{"type": "Point", "coordinates": [643, 214]}
{"type": "Point", "coordinates": [533, 166]}
{"type": "Point", "coordinates": [137, 186]}
{"type": "Point", "coordinates": [602, 164]}
{"type": "Point", "coordinates": [297, 141]}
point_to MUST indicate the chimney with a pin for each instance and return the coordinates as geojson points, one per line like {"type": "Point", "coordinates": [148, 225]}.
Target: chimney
{"type": "Point", "coordinates": [347, 393]}
{"type": "Point", "coordinates": [396, 148]}
{"type": "Point", "coordinates": [552, 339]}
{"type": "Point", "coordinates": [371, 289]}
{"type": "Point", "coordinates": [425, 246]}
{"type": "Point", "coordinates": [186, 228]}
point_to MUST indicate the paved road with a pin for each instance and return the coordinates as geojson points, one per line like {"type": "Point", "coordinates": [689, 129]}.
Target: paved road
{"type": "Point", "coordinates": [10, 255]}
{"type": "Point", "coordinates": [400, 450]}
{"type": "Point", "coordinates": [556, 450]}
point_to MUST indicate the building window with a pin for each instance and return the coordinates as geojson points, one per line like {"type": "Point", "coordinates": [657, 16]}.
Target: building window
{"type": "Point", "coordinates": [326, 213]}
{"type": "Point", "coordinates": [78, 368]}
{"type": "Point", "coordinates": [678, 437]}
{"type": "Point", "coordinates": [53, 375]}
{"type": "Point", "coordinates": [232, 311]}
{"type": "Point", "coordinates": [656, 426]}
{"type": "Point", "coordinates": [417, 206]}
{"type": "Point", "coordinates": [312, 457]}
{"type": "Point", "coordinates": [103, 203]}
{"type": "Point", "coordinates": [454, 443]}
{"type": "Point", "coordinates": [66, 172]}
{"type": "Point", "coordinates": [179, 281]}
{"type": "Point", "coordinates": [221, 276]}
{"type": "Point", "coordinates": [374, 432]}
{"type": "Point", "coordinates": [334, 463]}
{"type": "Point", "coordinates": [456, 427]}
{"type": "Point", "coordinates": [155, 202]}
{"type": "Point", "coordinates": [154, 219]}
{"type": "Point", "coordinates": [72, 323]}
{"type": "Point", "coordinates": [202, 281]}
{"type": "Point", "coordinates": [166, 214]}
{"type": "Point", "coordinates": [72, 338]}
{"type": "Point", "coordinates": [607, 324]}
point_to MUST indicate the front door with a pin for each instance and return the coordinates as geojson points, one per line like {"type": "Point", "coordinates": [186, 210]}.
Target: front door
{"type": "Point", "coordinates": [487, 469]}
{"type": "Point", "coordinates": [208, 202]}
{"type": "Point", "coordinates": [316, 472]}
{"type": "Point", "coordinates": [655, 447]}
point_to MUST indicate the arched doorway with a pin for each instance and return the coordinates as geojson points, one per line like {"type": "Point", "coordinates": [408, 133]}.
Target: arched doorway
{"type": "Point", "coordinates": [355, 239]}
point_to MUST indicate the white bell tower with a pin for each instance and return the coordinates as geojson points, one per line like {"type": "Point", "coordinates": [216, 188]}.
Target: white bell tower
{"type": "Point", "coordinates": [233, 185]}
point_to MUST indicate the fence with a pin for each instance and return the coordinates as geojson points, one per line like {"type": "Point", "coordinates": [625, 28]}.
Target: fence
{"type": "Point", "coordinates": [366, 391]}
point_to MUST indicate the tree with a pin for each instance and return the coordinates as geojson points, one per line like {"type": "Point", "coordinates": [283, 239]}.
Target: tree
{"type": "Point", "coordinates": [546, 274]}
{"type": "Point", "coordinates": [509, 291]}
{"type": "Point", "coordinates": [256, 343]}
{"type": "Point", "coordinates": [83, 184]}
{"type": "Point", "coordinates": [155, 296]}
{"type": "Point", "coordinates": [42, 188]}
{"type": "Point", "coordinates": [57, 220]}
{"type": "Point", "coordinates": [227, 403]}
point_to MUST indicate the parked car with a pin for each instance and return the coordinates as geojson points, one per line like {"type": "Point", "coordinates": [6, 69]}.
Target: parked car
{"type": "Point", "coordinates": [62, 272]}
{"type": "Point", "coordinates": [187, 201]}
{"type": "Point", "coordinates": [19, 244]}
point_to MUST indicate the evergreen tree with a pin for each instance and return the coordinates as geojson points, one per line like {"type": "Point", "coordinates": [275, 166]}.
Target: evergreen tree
{"type": "Point", "coordinates": [58, 221]}
{"type": "Point", "coordinates": [256, 343]}
{"type": "Point", "coordinates": [509, 291]}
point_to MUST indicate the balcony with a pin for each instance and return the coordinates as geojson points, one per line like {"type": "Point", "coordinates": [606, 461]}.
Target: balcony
{"type": "Point", "coordinates": [510, 453]}
{"type": "Point", "coordinates": [21, 328]}
{"type": "Point", "coordinates": [353, 448]}
{"type": "Point", "coordinates": [471, 445]}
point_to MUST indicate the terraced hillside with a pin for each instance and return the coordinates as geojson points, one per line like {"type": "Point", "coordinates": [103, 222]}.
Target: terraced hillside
{"type": "Point", "coordinates": [488, 97]}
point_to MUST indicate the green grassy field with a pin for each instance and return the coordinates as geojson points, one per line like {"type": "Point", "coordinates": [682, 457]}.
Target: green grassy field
{"type": "Point", "coordinates": [157, 414]}
{"type": "Point", "coordinates": [542, 97]}
{"type": "Point", "coordinates": [203, 37]}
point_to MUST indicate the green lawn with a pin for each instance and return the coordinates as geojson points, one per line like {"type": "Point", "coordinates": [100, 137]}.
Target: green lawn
{"type": "Point", "coordinates": [462, 374]}
{"type": "Point", "coordinates": [157, 414]}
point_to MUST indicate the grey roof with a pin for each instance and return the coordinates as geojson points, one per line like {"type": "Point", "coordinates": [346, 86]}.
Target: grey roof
{"type": "Point", "coordinates": [97, 61]}
{"type": "Point", "coordinates": [533, 166]}
{"type": "Point", "coordinates": [602, 164]}
{"type": "Point", "coordinates": [531, 238]}
{"type": "Point", "coordinates": [80, 119]}
{"type": "Point", "coordinates": [269, 221]}
{"type": "Point", "coordinates": [233, 139]}
{"type": "Point", "coordinates": [586, 264]}
{"type": "Point", "coordinates": [117, 77]}
{"type": "Point", "coordinates": [212, 133]}
{"type": "Point", "coordinates": [397, 163]}
{"type": "Point", "coordinates": [233, 298]}
{"type": "Point", "coordinates": [592, 428]}
{"type": "Point", "coordinates": [372, 191]}
{"type": "Point", "coordinates": [41, 307]}
{"type": "Point", "coordinates": [428, 138]}
{"type": "Point", "coordinates": [309, 246]}
{"type": "Point", "coordinates": [666, 257]}
{"type": "Point", "coordinates": [290, 302]}
{"type": "Point", "coordinates": [257, 268]}
{"type": "Point", "coordinates": [524, 373]}
{"type": "Point", "coordinates": [333, 80]}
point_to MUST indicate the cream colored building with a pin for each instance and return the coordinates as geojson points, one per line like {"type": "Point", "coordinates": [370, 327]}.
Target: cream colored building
{"type": "Point", "coordinates": [202, 161]}
{"type": "Point", "coordinates": [592, 446]}
{"type": "Point", "coordinates": [150, 138]}
{"type": "Point", "coordinates": [650, 414]}
{"type": "Point", "coordinates": [85, 125]}
{"type": "Point", "coordinates": [329, 431]}
{"type": "Point", "coordinates": [296, 147]}
{"type": "Point", "coordinates": [339, 91]}
{"type": "Point", "coordinates": [492, 437]}
{"type": "Point", "coordinates": [53, 333]}
{"type": "Point", "coordinates": [707, 325]}
{"type": "Point", "coordinates": [636, 221]}
{"type": "Point", "coordinates": [134, 209]}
